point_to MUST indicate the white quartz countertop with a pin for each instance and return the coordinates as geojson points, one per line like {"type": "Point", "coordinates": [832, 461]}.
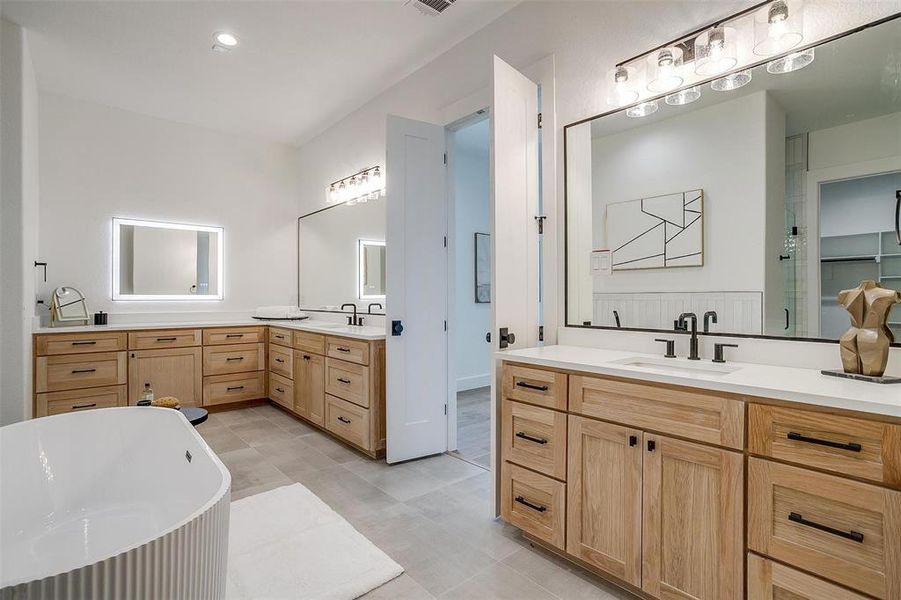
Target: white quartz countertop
{"type": "Point", "coordinates": [807, 386]}
{"type": "Point", "coordinates": [362, 332]}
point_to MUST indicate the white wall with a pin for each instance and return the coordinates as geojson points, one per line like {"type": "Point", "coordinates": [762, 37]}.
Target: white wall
{"type": "Point", "coordinates": [99, 162]}
{"type": "Point", "coordinates": [676, 155]}
{"type": "Point", "coordinates": [774, 220]}
{"type": "Point", "coordinates": [586, 38]}
{"type": "Point", "coordinates": [18, 220]}
{"type": "Point", "coordinates": [470, 165]}
{"type": "Point", "coordinates": [859, 205]}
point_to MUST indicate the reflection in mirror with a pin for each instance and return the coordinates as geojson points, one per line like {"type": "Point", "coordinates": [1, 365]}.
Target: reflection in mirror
{"type": "Point", "coordinates": [341, 257]}
{"type": "Point", "coordinates": [372, 270]}
{"type": "Point", "coordinates": [166, 261]}
{"type": "Point", "coordinates": [759, 202]}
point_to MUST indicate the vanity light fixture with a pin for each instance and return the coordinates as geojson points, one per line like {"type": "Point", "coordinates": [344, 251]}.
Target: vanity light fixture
{"type": "Point", "coordinates": [715, 51]}
{"type": "Point", "coordinates": [730, 82]}
{"type": "Point", "coordinates": [622, 86]}
{"type": "Point", "coordinates": [778, 27]}
{"type": "Point", "coordinates": [642, 110]}
{"type": "Point", "coordinates": [362, 186]}
{"type": "Point", "coordinates": [223, 41]}
{"type": "Point", "coordinates": [663, 69]}
{"type": "Point", "coordinates": [791, 62]}
{"type": "Point", "coordinates": [686, 96]}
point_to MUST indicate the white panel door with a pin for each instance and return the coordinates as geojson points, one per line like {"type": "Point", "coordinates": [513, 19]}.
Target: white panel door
{"type": "Point", "coordinates": [514, 234]}
{"type": "Point", "coordinates": [416, 289]}
{"type": "Point", "coordinates": [514, 206]}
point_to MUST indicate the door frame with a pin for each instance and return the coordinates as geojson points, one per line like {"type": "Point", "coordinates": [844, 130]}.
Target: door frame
{"type": "Point", "coordinates": [451, 269]}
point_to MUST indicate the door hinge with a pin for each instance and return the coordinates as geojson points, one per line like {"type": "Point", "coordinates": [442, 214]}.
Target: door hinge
{"type": "Point", "coordinates": [540, 220]}
{"type": "Point", "coordinates": [445, 241]}
{"type": "Point", "coordinates": [445, 325]}
{"type": "Point", "coordinates": [539, 120]}
{"type": "Point", "coordinates": [445, 409]}
{"type": "Point", "coordinates": [445, 159]}
{"type": "Point", "coordinates": [541, 333]}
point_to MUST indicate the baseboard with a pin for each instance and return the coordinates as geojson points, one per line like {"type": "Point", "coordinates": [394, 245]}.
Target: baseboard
{"type": "Point", "coordinates": [473, 382]}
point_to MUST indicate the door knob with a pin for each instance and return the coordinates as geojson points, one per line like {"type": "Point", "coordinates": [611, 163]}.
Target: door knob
{"type": "Point", "coordinates": [397, 328]}
{"type": "Point", "coordinates": [488, 337]}
{"type": "Point", "coordinates": [506, 337]}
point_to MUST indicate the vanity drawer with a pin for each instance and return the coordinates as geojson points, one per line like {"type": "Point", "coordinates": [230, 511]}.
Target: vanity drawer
{"type": "Point", "coordinates": [768, 580]}
{"type": "Point", "coordinates": [237, 358]}
{"type": "Point", "coordinates": [56, 403]}
{"type": "Point", "coordinates": [280, 336]}
{"type": "Point", "coordinates": [348, 381]}
{"type": "Point", "coordinates": [233, 335]}
{"type": "Point", "coordinates": [236, 387]}
{"type": "Point", "coordinates": [309, 342]}
{"type": "Point", "coordinates": [843, 530]}
{"type": "Point", "coordinates": [347, 421]}
{"type": "Point", "coordinates": [164, 338]}
{"type": "Point", "coordinates": [534, 437]}
{"type": "Point", "coordinates": [76, 371]}
{"type": "Point", "coordinates": [535, 386]}
{"type": "Point", "coordinates": [281, 361]}
{"type": "Point", "coordinates": [534, 503]}
{"type": "Point", "coordinates": [79, 343]}
{"type": "Point", "coordinates": [712, 417]}
{"type": "Point", "coordinates": [281, 390]}
{"type": "Point", "coordinates": [855, 447]}
{"type": "Point", "coordinates": [347, 349]}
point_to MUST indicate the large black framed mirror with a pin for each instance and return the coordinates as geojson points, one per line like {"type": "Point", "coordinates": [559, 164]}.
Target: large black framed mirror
{"type": "Point", "coordinates": [752, 201]}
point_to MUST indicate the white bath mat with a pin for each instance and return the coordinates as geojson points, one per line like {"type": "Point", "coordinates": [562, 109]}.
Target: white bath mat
{"type": "Point", "coordinates": [287, 543]}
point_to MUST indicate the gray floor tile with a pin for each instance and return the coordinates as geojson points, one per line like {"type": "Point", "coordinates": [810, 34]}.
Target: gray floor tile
{"type": "Point", "coordinates": [500, 582]}
{"type": "Point", "coordinates": [400, 588]}
{"type": "Point", "coordinates": [561, 578]}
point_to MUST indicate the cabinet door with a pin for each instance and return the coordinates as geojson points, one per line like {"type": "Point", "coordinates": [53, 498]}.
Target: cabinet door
{"type": "Point", "coordinates": [309, 386]}
{"type": "Point", "coordinates": [603, 517]}
{"type": "Point", "coordinates": [692, 530]}
{"type": "Point", "coordinates": [174, 372]}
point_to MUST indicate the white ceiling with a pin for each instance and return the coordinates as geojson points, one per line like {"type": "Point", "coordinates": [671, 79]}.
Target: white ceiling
{"type": "Point", "coordinates": [300, 67]}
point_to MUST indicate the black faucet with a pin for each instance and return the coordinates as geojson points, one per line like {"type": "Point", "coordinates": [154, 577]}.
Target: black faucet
{"type": "Point", "coordinates": [709, 316]}
{"type": "Point", "coordinates": [379, 304]}
{"type": "Point", "coordinates": [693, 346]}
{"type": "Point", "coordinates": [353, 320]}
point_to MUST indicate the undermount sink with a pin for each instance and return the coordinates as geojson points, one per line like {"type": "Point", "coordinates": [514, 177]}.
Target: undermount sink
{"type": "Point", "coordinates": [677, 367]}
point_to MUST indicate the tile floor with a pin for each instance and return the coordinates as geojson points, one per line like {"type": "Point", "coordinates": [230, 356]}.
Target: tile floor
{"type": "Point", "coordinates": [473, 425]}
{"type": "Point", "coordinates": [430, 515]}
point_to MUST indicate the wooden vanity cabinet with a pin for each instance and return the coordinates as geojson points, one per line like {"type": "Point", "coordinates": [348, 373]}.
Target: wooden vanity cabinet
{"type": "Point", "coordinates": [172, 372]}
{"type": "Point", "coordinates": [309, 386]}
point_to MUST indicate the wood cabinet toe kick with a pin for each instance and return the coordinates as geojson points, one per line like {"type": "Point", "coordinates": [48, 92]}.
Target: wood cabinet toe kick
{"type": "Point", "coordinates": [646, 484]}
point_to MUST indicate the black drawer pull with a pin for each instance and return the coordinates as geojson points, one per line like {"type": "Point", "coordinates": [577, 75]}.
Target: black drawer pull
{"type": "Point", "coordinates": [280, 390]}
{"type": "Point", "coordinates": [526, 436]}
{"type": "Point", "coordinates": [84, 343]}
{"type": "Point", "coordinates": [342, 349]}
{"type": "Point", "coordinates": [525, 502]}
{"type": "Point", "coordinates": [166, 339]}
{"type": "Point", "coordinates": [281, 337]}
{"type": "Point", "coordinates": [235, 358]}
{"type": "Point", "coordinates": [233, 388]}
{"type": "Point", "coordinates": [854, 536]}
{"type": "Point", "coordinates": [531, 386]}
{"type": "Point", "coordinates": [280, 360]}
{"type": "Point", "coordinates": [803, 438]}
{"type": "Point", "coordinates": [232, 335]}
{"type": "Point", "coordinates": [344, 420]}
{"type": "Point", "coordinates": [306, 357]}
{"type": "Point", "coordinates": [342, 380]}
{"type": "Point", "coordinates": [83, 370]}
{"type": "Point", "coordinates": [77, 406]}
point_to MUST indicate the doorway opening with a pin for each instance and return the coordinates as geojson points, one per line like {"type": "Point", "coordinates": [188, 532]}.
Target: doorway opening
{"type": "Point", "coordinates": [469, 301]}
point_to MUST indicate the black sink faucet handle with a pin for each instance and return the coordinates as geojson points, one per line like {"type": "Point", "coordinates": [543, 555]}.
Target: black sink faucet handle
{"type": "Point", "coordinates": [670, 347]}
{"type": "Point", "coordinates": [718, 352]}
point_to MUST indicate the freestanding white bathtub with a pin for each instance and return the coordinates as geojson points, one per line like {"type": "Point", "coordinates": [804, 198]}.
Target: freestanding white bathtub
{"type": "Point", "coordinates": [111, 503]}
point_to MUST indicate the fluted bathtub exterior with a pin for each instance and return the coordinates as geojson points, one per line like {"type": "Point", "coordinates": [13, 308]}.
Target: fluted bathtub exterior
{"type": "Point", "coordinates": [186, 562]}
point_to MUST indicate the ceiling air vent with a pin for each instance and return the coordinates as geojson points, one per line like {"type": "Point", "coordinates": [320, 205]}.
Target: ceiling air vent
{"type": "Point", "coordinates": [431, 7]}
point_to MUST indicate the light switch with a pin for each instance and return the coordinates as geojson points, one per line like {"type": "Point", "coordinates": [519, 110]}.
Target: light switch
{"type": "Point", "coordinates": [601, 262]}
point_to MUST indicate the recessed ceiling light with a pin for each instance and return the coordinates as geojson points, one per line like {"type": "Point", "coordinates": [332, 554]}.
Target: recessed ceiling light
{"type": "Point", "coordinates": [223, 40]}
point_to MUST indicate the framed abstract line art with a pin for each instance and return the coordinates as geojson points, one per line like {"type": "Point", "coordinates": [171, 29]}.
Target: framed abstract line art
{"type": "Point", "coordinates": [660, 232]}
{"type": "Point", "coordinates": [482, 268]}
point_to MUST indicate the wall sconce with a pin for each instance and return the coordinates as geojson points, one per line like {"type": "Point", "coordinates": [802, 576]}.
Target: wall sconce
{"type": "Point", "coordinates": [361, 187]}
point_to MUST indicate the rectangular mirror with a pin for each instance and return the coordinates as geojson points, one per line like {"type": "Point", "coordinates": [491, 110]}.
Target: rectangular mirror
{"type": "Point", "coordinates": [166, 261]}
{"type": "Point", "coordinates": [341, 257]}
{"type": "Point", "coordinates": [758, 197]}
